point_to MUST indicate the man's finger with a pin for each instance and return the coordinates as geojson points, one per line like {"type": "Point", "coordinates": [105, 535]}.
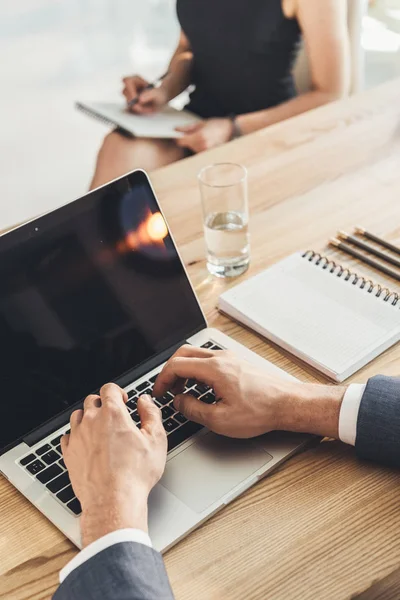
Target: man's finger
{"type": "Point", "coordinates": [188, 351]}
{"type": "Point", "coordinates": [196, 410]}
{"type": "Point", "coordinates": [193, 351]}
{"type": "Point", "coordinates": [64, 441]}
{"type": "Point", "coordinates": [180, 367]}
{"type": "Point", "coordinates": [76, 418]}
{"type": "Point", "coordinates": [92, 401]}
{"type": "Point", "coordinates": [150, 414]}
{"type": "Point", "coordinates": [112, 393]}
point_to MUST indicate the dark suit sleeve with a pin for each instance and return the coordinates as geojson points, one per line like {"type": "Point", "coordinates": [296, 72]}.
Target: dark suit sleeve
{"type": "Point", "coordinates": [378, 424]}
{"type": "Point", "coordinates": [124, 571]}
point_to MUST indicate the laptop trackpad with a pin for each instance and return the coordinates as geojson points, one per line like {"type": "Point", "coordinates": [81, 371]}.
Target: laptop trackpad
{"type": "Point", "coordinates": [210, 468]}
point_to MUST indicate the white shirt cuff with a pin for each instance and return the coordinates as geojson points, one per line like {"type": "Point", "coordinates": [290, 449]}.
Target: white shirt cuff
{"type": "Point", "coordinates": [349, 413]}
{"type": "Point", "coordinates": [115, 537]}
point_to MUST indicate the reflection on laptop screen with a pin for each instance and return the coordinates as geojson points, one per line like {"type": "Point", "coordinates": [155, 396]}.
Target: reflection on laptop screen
{"type": "Point", "coordinates": [87, 293]}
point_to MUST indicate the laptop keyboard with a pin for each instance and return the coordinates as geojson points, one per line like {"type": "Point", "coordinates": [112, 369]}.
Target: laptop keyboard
{"type": "Point", "coordinates": [46, 464]}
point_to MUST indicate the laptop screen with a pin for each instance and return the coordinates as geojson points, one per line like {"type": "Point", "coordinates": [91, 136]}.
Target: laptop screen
{"type": "Point", "coordinates": [88, 292]}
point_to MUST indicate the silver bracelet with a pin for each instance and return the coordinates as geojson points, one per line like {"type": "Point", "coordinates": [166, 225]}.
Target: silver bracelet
{"type": "Point", "coordinates": [236, 130]}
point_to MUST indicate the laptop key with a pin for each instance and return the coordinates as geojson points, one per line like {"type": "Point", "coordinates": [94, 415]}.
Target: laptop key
{"type": "Point", "coordinates": [143, 386]}
{"type": "Point", "coordinates": [27, 459]}
{"type": "Point", "coordinates": [132, 403]}
{"type": "Point", "coordinates": [190, 383]}
{"type": "Point", "coordinates": [166, 399]}
{"type": "Point", "coordinates": [43, 449]}
{"type": "Point", "coordinates": [135, 417]}
{"type": "Point", "coordinates": [207, 345]}
{"type": "Point", "coordinates": [58, 483]}
{"type": "Point", "coordinates": [153, 378]}
{"type": "Point", "coordinates": [166, 412]}
{"type": "Point", "coordinates": [49, 473]}
{"type": "Point", "coordinates": [193, 392]}
{"type": "Point", "coordinates": [58, 448]}
{"type": "Point", "coordinates": [66, 494]}
{"type": "Point", "coordinates": [56, 441]}
{"type": "Point", "coordinates": [62, 463]}
{"type": "Point", "coordinates": [202, 388]}
{"type": "Point", "coordinates": [36, 466]}
{"type": "Point", "coordinates": [50, 457]}
{"type": "Point", "coordinates": [131, 393]}
{"type": "Point", "coordinates": [180, 418]}
{"type": "Point", "coordinates": [170, 425]}
{"type": "Point", "coordinates": [75, 506]}
{"type": "Point", "coordinates": [182, 434]}
{"type": "Point", "coordinates": [208, 398]}
{"type": "Point", "coordinates": [215, 347]}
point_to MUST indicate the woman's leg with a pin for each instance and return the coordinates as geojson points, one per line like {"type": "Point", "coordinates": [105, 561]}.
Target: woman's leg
{"type": "Point", "coordinates": [120, 154]}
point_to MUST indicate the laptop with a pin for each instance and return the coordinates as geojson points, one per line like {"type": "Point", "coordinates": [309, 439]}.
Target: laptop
{"type": "Point", "coordinates": [96, 291]}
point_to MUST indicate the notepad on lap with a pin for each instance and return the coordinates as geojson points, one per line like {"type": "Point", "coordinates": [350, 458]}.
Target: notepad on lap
{"type": "Point", "coordinates": [311, 307]}
{"type": "Point", "coordinates": [158, 125]}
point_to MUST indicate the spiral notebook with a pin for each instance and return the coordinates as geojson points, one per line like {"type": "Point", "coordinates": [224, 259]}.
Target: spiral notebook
{"type": "Point", "coordinates": [324, 314]}
{"type": "Point", "coordinates": [158, 125]}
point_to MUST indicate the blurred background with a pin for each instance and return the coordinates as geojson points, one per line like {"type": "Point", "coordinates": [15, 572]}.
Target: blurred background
{"type": "Point", "coordinates": [55, 52]}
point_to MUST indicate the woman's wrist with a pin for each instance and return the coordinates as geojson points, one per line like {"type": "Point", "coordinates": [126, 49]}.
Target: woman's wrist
{"type": "Point", "coordinates": [312, 408]}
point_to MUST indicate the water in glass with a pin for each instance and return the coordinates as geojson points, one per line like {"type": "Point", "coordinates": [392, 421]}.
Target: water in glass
{"type": "Point", "coordinates": [227, 241]}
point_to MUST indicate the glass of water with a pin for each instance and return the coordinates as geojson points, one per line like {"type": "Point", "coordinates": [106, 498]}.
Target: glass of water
{"type": "Point", "coordinates": [224, 201]}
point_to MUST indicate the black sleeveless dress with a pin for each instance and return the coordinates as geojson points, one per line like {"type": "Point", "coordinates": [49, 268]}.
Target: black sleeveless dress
{"type": "Point", "coordinates": [243, 51]}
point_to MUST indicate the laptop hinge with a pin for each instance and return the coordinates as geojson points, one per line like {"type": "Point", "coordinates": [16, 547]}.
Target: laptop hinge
{"type": "Point", "coordinates": [44, 430]}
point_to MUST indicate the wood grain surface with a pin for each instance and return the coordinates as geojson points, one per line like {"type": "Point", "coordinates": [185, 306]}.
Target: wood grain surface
{"type": "Point", "coordinates": [325, 525]}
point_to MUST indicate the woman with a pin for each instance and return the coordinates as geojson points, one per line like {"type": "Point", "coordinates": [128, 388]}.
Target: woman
{"type": "Point", "coordinates": [239, 55]}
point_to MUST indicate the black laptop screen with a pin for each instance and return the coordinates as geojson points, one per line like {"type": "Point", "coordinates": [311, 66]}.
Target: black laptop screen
{"type": "Point", "coordinates": [87, 293]}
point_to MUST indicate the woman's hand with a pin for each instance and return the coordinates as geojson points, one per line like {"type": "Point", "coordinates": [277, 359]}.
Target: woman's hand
{"type": "Point", "coordinates": [206, 134]}
{"type": "Point", "coordinates": [150, 101]}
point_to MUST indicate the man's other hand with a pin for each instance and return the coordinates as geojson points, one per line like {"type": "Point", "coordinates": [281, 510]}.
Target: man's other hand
{"type": "Point", "coordinates": [113, 465]}
{"type": "Point", "coordinates": [250, 401]}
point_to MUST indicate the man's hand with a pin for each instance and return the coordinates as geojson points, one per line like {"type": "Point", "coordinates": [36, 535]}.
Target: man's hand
{"type": "Point", "coordinates": [205, 134]}
{"type": "Point", "coordinates": [113, 465]}
{"type": "Point", "coordinates": [150, 101]}
{"type": "Point", "coordinates": [250, 402]}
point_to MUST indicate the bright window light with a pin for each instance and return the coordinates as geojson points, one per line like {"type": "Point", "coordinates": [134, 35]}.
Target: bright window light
{"type": "Point", "coordinates": [377, 37]}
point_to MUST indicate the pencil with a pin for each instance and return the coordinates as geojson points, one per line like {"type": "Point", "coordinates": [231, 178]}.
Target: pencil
{"type": "Point", "coordinates": [135, 100]}
{"type": "Point", "coordinates": [378, 240]}
{"type": "Point", "coordinates": [369, 261]}
{"type": "Point", "coordinates": [368, 248]}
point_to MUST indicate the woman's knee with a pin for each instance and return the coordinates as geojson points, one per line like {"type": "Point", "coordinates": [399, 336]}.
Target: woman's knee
{"type": "Point", "coordinates": [119, 155]}
{"type": "Point", "coordinates": [112, 147]}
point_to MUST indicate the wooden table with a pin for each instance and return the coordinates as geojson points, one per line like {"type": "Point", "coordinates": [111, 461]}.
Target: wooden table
{"type": "Point", "coordinates": [326, 525]}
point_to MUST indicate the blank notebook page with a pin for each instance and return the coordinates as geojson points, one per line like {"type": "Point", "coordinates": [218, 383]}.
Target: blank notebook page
{"type": "Point", "coordinates": [157, 125]}
{"type": "Point", "coordinates": [314, 311]}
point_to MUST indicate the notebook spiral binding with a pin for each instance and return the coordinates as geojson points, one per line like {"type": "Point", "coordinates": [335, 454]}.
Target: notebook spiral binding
{"type": "Point", "coordinates": [370, 287]}
{"type": "Point", "coordinates": [93, 114]}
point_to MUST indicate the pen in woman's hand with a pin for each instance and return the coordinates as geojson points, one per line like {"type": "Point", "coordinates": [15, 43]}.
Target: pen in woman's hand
{"type": "Point", "coordinates": [151, 86]}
